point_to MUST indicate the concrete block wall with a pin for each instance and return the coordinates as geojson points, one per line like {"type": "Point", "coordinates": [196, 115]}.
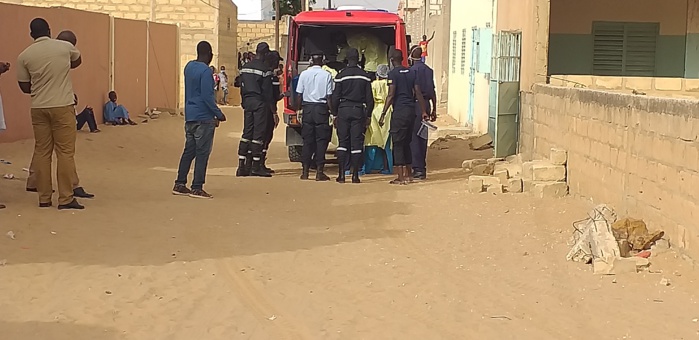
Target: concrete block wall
{"type": "Point", "coordinates": [665, 87]}
{"type": "Point", "coordinates": [198, 20]}
{"type": "Point", "coordinates": [252, 32]}
{"type": "Point", "coordinates": [640, 154]}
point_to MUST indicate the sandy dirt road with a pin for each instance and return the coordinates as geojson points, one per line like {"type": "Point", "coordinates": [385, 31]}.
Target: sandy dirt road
{"type": "Point", "coordinates": [284, 259]}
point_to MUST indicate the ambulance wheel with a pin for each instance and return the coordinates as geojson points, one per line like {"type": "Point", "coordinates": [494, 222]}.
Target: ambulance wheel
{"type": "Point", "coordinates": [295, 153]}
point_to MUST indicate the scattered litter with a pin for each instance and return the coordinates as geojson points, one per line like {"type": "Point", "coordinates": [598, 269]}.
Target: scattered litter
{"type": "Point", "coordinates": [108, 292]}
{"type": "Point", "coordinates": [695, 320]}
{"type": "Point", "coordinates": [658, 300]}
{"type": "Point", "coordinates": [11, 234]}
{"type": "Point", "coordinates": [272, 318]}
{"type": "Point", "coordinates": [53, 233]}
{"type": "Point", "coordinates": [664, 282]}
{"type": "Point", "coordinates": [3, 262]}
{"type": "Point", "coordinates": [503, 317]}
{"type": "Point", "coordinates": [8, 176]}
{"type": "Point", "coordinates": [5, 162]}
{"type": "Point", "coordinates": [25, 169]}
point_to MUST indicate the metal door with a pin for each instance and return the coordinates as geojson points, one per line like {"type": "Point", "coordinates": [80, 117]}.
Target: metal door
{"type": "Point", "coordinates": [475, 36]}
{"type": "Point", "coordinates": [503, 115]}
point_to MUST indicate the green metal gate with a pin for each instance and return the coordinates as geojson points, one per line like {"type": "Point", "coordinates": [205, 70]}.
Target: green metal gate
{"type": "Point", "coordinates": [503, 115]}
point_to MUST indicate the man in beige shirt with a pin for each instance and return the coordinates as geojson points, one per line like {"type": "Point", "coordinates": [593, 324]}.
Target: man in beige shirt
{"type": "Point", "coordinates": [43, 71]}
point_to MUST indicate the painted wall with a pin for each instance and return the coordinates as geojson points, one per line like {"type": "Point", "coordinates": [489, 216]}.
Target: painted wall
{"type": "Point", "coordinates": [571, 40]}
{"type": "Point", "coordinates": [91, 81]}
{"type": "Point", "coordinates": [692, 46]}
{"type": "Point", "coordinates": [466, 15]}
{"type": "Point", "coordinates": [531, 17]}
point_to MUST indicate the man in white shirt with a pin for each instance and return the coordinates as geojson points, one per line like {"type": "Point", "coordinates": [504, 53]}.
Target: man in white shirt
{"type": "Point", "coordinates": [315, 88]}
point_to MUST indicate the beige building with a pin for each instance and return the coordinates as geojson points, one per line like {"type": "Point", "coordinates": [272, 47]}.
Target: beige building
{"type": "Point", "coordinates": [597, 79]}
{"type": "Point", "coordinates": [211, 20]}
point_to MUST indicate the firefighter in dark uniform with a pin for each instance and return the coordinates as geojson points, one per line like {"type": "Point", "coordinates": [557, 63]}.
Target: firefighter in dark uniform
{"type": "Point", "coordinates": [315, 88]}
{"type": "Point", "coordinates": [425, 79]}
{"type": "Point", "coordinates": [258, 99]}
{"type": "Point", "coordinates": [353, 103]}
{"type": "Point", "coordinates": [404, 94]}
{"type": "Point", "coordinates": [272, 60]}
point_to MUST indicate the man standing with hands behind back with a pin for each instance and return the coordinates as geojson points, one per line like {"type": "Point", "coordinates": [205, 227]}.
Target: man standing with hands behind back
{"type": "Point", "coordinates": [43, 71]}
{"type": "Point", "coordinates": [201, 116]}
{"type": "Point", "coordinates": [315, 88]}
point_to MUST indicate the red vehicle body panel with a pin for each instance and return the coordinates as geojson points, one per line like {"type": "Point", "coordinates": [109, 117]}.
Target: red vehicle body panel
{"type": "Point", "coordinates": [339, 17]}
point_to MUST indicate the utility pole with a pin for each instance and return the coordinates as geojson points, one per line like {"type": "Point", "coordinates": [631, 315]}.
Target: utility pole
{"type": "Point", "coordinates": [276, 25]}
{"type": "Point", "coordinates": [330, 4]}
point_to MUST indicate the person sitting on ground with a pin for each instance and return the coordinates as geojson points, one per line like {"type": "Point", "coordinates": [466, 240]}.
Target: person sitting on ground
{"type": "Point", "coordinates": [87, 115]}
{"type": "Point", "coordinates": [116, 114]}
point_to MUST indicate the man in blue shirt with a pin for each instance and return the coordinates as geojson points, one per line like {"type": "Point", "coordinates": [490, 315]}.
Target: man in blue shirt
{"type": "Point", "coordinates": [315, 87]}
{"type": "Point", "coordinates": [201, 118]}
{"type": "Point", "coordinates": [425, 79]}
{"type": "Point", "coordinates": [403, 92]}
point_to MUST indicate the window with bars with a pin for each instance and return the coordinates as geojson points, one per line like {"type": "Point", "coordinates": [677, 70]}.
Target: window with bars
{"type": "Point", "coordinates": [453, 52]}
{"type": "Point", "coordinates": [624, 48]}
{"type": "Point", "coordinates": [464, 35]}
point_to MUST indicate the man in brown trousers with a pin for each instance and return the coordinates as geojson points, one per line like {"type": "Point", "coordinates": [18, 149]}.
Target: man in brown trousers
{"type": "Point", "coordinates": [43, 71]}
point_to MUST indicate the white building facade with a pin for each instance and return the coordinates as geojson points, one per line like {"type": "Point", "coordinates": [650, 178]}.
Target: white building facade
{"type": "Point", "coordinates": [255, 10]}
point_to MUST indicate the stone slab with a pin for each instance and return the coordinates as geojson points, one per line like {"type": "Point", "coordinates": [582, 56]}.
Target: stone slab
{"type": "Point", "coordinates": [503, 175]}
{"type": "Point", "coordinates": [558, 156]}
{"type": "Point", "coordinates": [483, 169]}
{"type": "Point", "coordinates": [514, 185]}
{"type": "Point", "coordinates": [495, 189]}
{"type": "Point", "coordinates": [487, 180]}
{"type": "Point", "coordinates": [475, 185]}
{"type": "Point", "coordinates": [548, 172]}
{"type": "Point", "coordinates": [549, 189]}
{"type": "Point", "coordinates": [471, 163]}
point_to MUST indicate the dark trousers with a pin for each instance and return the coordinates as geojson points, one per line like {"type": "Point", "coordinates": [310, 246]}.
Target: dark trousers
{"type": "Point", "coordinates": [269, 133]}
{"type": "Point", "coordinates": [351, 129]}
{"type": "Point", "coordinates": [87, 116]}
{"type": "Point", "coordinates": [316, 133]}
{"type": "Point", "coordinates": [197, 147]}
{"type": "Point", "coordinates": [418, 145]}
{"type": "Point", "coordinates": [402, 122]}
{"type": "Point", "coordinates": [254, 133]}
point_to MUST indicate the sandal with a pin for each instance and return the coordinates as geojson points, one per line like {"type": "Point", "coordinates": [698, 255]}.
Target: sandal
{"type": "Point", "coordinates": [396, 181]}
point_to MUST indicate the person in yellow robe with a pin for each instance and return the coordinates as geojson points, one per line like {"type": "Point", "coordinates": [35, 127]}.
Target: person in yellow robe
{"type": "Point", "coordinates": [378, 155]}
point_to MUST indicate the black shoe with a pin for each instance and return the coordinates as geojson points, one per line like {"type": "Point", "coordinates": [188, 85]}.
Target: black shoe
{"type": "Point", "coordinates": [80, 193]}
{"type": "Point", "coordinates": [420, 175]}
{"type": "Point", "coordinates": [45, 205]}
{"type": "Point", "coordinates": [341, 178]}
{"type": "Point", "coordinates": [258, 170]}
{"type": "Point", "coordinates": [243, 170]}
{"type": "Point", "coordinates": [355, 178]}
{"type": "Point", "coordinates": [200, 193]}
{"type": "Point", "coordinates": [181, 189]}
{"type": "Point", "coordinates": [306, 173]}
{"type": "Point", "coordinates": [74, 205]}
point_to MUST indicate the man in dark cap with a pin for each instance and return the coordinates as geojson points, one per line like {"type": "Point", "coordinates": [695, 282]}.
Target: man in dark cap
{"type": "Point", "coordinates": [273, 59]}
{"type": "Point", "coordinates": [425, 79]}
{"type": "Point", "coordinates": [403, 92]}
{"type": "Point", "coordinates": [315, 89]}
{"type": "Point", "coordinates": [353, 103]}
{"type": "Point", "coordinates": [256, 91]}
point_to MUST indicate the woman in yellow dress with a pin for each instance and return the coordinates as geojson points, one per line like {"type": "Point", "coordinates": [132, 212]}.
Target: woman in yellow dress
{"type": "Point", "coordinates": [377, 151]}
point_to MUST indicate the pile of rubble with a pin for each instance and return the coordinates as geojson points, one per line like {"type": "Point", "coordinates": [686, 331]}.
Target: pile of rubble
{"type": "Point", "coordinates": [614, 246]}
{"type": "Point", "coordinates": [543, 178]}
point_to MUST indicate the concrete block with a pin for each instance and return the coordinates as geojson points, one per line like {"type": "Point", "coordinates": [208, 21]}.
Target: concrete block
{"type": "Point", "coordinates": [639, 83]}
{"type": "Point", "coordinates": [608, 83]}
{"type": "Point", "coordinates": [502, 175]}
{"type": "Point", "coordinates": [471, 163]}
{"type": "Point", "coordinates": [486, 180]}
{"type": "Point", "coordinates": [514, 185]}
{"type": "Point", "coordinates": [527, 185]}
{"type": "Point", "coordinates": [668, 84]}
{"type": "Point", "coordinates": [515, 159]}
{"type": "Point", "coordinates": [549, 189]}
{"type": "Point", "coordinates": [475, 185]}
{"type": "Point", "coordinates": [495, 189]}
{"type": "Point", "coordinates": [484, 169]}
{"type": "Point", "coordinates": [616, 266]}
{"type": "Point", "coordinates": [544, 171]}
{"type": "Point", "coordinates": [691, 85]}
{"type": "Point", "coordinates": [558, 156]}
{"type": "Point", "coordinates": [495, 160]}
